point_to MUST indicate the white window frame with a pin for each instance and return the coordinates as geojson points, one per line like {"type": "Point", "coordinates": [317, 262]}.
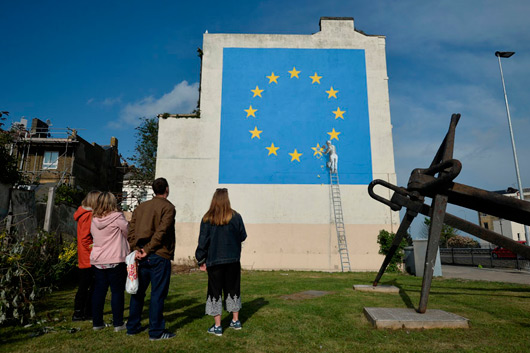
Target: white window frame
{"type": "Point", "coordinates": [50, 160]}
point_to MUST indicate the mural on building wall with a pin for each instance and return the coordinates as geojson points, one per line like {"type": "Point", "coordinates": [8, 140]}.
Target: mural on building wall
{"type": "Point", "coordinates": [280, 106]}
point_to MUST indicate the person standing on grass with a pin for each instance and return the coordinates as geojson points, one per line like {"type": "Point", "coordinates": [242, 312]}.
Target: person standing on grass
{"type": "Point", "coordinates": [109, 229]}
{"type": "Point", "coordinates": [83, 297]}
{"type": "Point", "coordinates": [152, 235]}
{"type": "Point", "coordinates": [219, 251]}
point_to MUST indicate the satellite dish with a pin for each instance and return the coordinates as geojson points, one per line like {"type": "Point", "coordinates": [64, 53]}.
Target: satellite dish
{"type": "Point", "coordinates": [48, 122]}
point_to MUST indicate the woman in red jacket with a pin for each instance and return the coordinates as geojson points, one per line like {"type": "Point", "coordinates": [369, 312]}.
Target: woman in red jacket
{"type": "Point", "coordinates": [83, 297]}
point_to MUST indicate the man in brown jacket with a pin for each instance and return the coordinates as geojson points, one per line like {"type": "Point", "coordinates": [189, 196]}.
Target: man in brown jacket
{"type": "Point", "coordinates": [152, 235]}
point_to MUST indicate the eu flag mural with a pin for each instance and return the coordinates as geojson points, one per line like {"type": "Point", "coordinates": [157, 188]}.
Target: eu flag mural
{"type": "Point", "coordinates": [280, 106]}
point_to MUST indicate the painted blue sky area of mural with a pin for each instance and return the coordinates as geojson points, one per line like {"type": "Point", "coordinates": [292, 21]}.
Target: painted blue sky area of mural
{"type": "Point", "coordinates": [279, 106]}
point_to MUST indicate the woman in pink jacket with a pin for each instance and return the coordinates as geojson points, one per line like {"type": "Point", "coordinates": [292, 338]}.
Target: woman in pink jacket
{"type": "Point", "coordinates": [109, 230]}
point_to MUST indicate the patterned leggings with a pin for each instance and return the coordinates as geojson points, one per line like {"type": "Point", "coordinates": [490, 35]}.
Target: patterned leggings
{"type": "Point", "coordinates": [224, 278]}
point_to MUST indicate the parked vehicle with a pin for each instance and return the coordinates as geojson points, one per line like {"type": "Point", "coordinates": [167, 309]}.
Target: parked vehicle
{"type": "Point", "coordinates": [500, 252]}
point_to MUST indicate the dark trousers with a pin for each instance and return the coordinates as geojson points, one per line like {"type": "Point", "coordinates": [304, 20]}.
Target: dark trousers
{"type": "Point", "coordinates": [115, 278]}
{"type": "Point", "coordinates": [83, 297]}
{"type": "Point", "coordinates": [154, 270]}
{"type": "Point", "coordinates": [225, 278]}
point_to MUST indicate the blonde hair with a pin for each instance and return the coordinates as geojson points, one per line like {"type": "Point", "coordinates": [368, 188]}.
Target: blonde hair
{"type": "Point", "coordinates": [220, 212]}
{"type": "Point", "coordinates": [91, 199]}
{"type": "Point", "coordinates": [106, 204]}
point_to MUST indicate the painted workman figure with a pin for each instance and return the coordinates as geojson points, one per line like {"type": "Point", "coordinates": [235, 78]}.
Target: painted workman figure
{"type": "Point", "coordinates": [333, 157]}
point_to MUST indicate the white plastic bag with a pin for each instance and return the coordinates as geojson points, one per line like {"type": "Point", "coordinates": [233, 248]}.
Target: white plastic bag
{"type": "Point", "coordinates": [131, 286]}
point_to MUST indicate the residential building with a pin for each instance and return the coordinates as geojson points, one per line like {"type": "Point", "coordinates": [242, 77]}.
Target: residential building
{"type": "Point", "coordinates": [48, 156]}
{"type": "Point", "coordinates": [501, 226]}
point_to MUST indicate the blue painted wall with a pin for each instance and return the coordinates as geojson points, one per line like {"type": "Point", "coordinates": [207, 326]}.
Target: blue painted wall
{"type": "Point", "coordinates": [280, 105]}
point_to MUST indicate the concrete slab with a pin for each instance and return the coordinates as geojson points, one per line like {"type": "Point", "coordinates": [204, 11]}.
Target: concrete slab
{"type": "Point", "coordinates": [378, 289]}
{"type": "Point", "coordinates": [392, 318]}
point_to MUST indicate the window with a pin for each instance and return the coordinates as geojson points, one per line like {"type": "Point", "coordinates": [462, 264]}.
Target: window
{"type": "Point", "coordinates": [124, 199]}
{"type": "Point", "coordinates": [50, 160]}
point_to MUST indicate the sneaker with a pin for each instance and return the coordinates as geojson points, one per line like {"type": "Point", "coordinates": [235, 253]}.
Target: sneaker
{"type": "Point", "coordinates": [164, 336]}
{"type": "Point", "coordinates": [142, 329]}
{"type": "Point", "coordinates": [216, 330]}
{"type": "Point", "coordinates": [236, 325]}
{"type": "Point", "coordinates": [120, 328]}
{"type": "Point", "coordinates": [97, 328]}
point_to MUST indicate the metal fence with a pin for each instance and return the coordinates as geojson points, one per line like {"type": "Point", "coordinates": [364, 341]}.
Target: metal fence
{"type": "Point", "coordinates": [482, 257]}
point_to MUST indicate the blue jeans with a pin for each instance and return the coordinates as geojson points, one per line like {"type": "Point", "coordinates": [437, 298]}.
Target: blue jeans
{"type": "Point", "coordinates": [115, 278]}
{"type": "Point", "coordinates": [154, 270]}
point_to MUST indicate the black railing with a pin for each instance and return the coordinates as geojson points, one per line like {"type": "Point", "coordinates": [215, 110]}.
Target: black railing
{"type": "Point", "coordinates": [482, 257]}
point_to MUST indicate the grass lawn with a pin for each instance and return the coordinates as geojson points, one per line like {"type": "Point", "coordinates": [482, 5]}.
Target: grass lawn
{"type": "Point", "coordinates": [499, 315]}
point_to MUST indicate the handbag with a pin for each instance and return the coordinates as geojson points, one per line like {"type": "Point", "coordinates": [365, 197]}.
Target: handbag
{"type": "Point", "coordinates": [132, 283]}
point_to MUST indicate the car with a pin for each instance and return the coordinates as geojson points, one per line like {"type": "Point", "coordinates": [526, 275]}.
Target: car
{"type": "Point", "coordinates": [500, 252]}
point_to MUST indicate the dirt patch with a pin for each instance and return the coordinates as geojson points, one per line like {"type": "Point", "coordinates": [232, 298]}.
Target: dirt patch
{"type": "Point", "coordinates": [309, 294]}
{"type": "Point", "coordinates": [183, 268]}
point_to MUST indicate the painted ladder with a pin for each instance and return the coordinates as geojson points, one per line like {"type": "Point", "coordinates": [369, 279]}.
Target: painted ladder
{"type": "Point", "coordinates": [339, 222]}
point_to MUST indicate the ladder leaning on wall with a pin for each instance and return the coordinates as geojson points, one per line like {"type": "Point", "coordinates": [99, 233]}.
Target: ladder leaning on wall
{"type": "Point", "coordinates": [339, 222]}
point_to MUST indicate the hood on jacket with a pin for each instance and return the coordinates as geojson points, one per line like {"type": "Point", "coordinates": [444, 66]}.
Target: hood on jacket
{"type": "Point", "coordinates": [103, 222]}
{"type": "Point", "coordinates": [82, 210]}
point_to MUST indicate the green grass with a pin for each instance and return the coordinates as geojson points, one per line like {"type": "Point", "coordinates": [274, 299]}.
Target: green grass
{"type": "Point", "coordinates": [499, 315]}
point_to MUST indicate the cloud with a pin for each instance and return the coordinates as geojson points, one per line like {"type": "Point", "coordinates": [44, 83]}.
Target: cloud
{"type": "Point", "coordinates": [181, 100]}
{"type": "Point", "coordinates": [109, 102]}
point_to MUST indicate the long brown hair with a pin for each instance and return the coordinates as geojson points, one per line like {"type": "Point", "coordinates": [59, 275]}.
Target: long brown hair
{"type": "Point", "coordinates": [106, 204]}
{"type": "Point", "coordinates": [220, 212]}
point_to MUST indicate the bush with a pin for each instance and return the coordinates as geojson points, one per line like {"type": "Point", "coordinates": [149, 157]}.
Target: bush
{"type": "Point", "coordinates": [68, 195]}
{"type": "Point", "coordinates": [29, 268]}
{"type": "Point", "coordinates": [385, 239]}
{"type": "Point", "coordinates": [459, 241]}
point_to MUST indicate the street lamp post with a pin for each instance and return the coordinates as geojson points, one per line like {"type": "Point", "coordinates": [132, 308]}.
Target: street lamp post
{"type": "Point", "coordinates": [499, 55]}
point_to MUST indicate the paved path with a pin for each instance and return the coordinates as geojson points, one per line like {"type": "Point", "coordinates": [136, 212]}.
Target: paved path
{"type": "Point", "coordinates": [486, 274]}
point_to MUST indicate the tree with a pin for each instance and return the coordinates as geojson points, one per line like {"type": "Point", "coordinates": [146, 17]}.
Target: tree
{"type": "Point", "coordinates": [385, 239]}
{"type": "Point", "coordinates": [144, 157]}
{"type": "Point", "coordinates": [448, 232]}
{"type": "Point", "coordinates": [142, 174]}
{"type": "Point", "coordinates": [10, 173]}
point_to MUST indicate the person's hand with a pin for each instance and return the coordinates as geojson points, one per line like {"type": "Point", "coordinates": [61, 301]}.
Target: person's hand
{"type": "Point", "coordinates": [202, 267]}
{"type": "Point", "coordinates": [140, 254]}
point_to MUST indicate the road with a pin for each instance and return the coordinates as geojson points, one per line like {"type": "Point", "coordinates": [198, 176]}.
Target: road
{"type": "Point", "coordinates": [486, 274]}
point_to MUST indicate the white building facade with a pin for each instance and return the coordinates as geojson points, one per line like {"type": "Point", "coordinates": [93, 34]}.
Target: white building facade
{"type": "Point", "coordinates": [267, 105]}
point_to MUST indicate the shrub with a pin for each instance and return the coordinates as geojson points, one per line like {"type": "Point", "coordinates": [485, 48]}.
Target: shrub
{"type": "Point", "coordinates": [459, 241]}
{"type": "Point", "coordinates": [385, 239]}
{"type": "Point", "coordinates": [29, 268]}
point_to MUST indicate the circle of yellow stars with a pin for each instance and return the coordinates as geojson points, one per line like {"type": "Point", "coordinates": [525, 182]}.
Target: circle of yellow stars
{"type": "Point", "coordinates": [295, 155]}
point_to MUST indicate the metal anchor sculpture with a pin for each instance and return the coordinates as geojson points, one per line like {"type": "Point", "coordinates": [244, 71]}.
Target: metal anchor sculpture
{"type": "Point", "coordinates": [436, 182]}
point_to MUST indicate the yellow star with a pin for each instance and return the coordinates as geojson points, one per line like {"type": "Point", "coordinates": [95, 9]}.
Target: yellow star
{"type": "Point", "coordinates": [315, 78]}
{"type": "Point", "coordinates": [339, 113]}
{"type": "Point", "coordinates": [272, 149]}
{"type": "Point", "coordinates": [294, 72]}
{"type": "Point", "coordinates": [255, 132]}
{"type": "Point", "coordinates": [250, 112]}
{"type": "Point", "coordinates": [295, 155]}
{"type": "Point", "coordinates": [272, 78]}
{"type": "Point", "coordinates": [257, 92]}
{"type": "Point", "coordinates": [332, 92]}
{"type": "Point", "coordinates": [333, 135]}
{"type": "Point", "coordinates": [318, 150]}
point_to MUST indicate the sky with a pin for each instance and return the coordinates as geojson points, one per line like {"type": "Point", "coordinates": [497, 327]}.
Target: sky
{"type": "Point", "coordinates": [99, 66]}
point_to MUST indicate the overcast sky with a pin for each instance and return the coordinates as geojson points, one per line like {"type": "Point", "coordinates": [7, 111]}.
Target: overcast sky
{"type": "Point", "coordinates": [100, 65]}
